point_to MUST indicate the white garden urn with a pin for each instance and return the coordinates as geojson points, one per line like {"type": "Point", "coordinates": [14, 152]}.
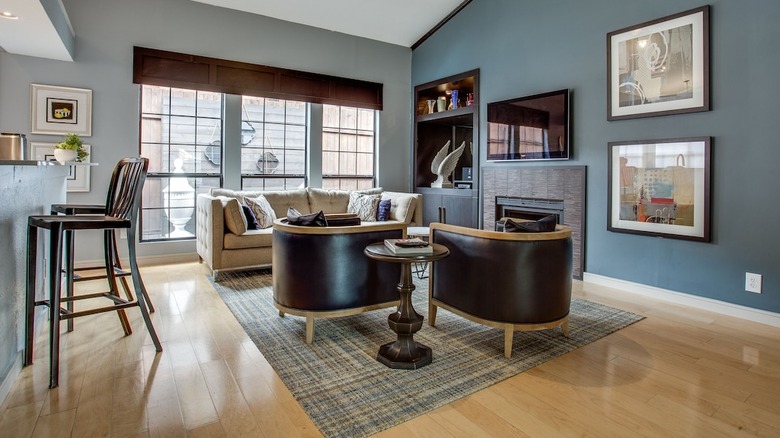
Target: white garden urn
{"type": "Point", "coordinates": [179, 200]}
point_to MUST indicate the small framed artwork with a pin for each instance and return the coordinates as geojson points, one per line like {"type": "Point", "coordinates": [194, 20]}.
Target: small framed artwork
{"type": "Point", "coordinates": [78, 176]}
{"type": "Point", "coordinates": [60, 110]}
{"type": "Point", "coordinates": [660, 188]}
{"type": "Point", "coordinates": [659, 67]}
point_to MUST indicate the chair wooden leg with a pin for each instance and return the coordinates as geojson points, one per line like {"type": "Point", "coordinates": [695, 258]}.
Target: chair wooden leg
{"type": "Point", "coordinates": [69, 259]}
{"type": "Point", "coordinates": [508, 338]}
{"type": "Point", "coordinates": [55, 278]}
{"type": "Point", "coordinates": [309, 329]}
{"type": "Point", "coordinates": [118, 265]}
{"type": "Point", "coordinates": [431, 313]}
{"type": "Point", "coordinates": [32, 267]}
{"type": "Point", "coordinates": [109, 254]}
{"type": "Point", "coordinates": [137, 283]}
{"type": "Point", "coordinates": [565, 327]}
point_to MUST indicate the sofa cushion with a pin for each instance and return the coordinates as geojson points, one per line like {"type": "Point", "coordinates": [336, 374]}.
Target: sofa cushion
{"type": "Point", "coordinates": [263, 211]}
{"type": "Point", "coordinates": [283, 199]}
{"type": "Point", "coordinates": [250, 239]}
{"type": "Point", "coordinates": [234, 216]}
{"type": "Point", "coordinates": [402, 206]}
{"type": "Point", "coordinates": [280, 200]}
{"type": "Point", "coordinates": [329, 201]}
{"type": "Point", "coordinates": [365, 206]}
{"type": "Point", "coordinates": [238, 194]}
{"type": "Point", "coordinates": [372, 191]}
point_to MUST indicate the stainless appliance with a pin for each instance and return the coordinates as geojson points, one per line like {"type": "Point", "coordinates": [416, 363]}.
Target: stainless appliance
{"type": "Point", "coordinates": [13, 146]}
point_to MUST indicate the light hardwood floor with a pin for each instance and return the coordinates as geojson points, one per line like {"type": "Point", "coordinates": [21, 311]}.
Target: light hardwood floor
{"type": "Point", "coordinates": [679, 372]}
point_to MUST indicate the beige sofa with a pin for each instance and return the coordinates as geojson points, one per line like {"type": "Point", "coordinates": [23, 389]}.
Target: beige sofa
{"type": "Point", "coordinates": [222, 249]}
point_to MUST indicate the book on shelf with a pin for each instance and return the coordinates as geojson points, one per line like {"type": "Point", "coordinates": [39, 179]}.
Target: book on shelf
{"type": "Point", "coordinates": [413, 246]}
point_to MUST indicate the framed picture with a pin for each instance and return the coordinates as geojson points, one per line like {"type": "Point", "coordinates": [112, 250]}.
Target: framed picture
{"type": "Point", "coordinates": [78, 176]}
{"type": "Point", "coordinates": [660, 188]}
{"type": "Point", "coordinates": [60, 110]}
{"type": "Point", "coordinates": [659, 67]}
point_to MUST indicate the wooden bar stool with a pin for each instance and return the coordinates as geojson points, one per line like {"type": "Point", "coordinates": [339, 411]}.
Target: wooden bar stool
{"type": "Point", "coordinates": [120, 212]}
{"type": "Point", "coordinates": [110, 247]}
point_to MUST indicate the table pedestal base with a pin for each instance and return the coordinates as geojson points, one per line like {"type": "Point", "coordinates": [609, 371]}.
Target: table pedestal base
{"type": "Point", "coordinates": [404, 355]}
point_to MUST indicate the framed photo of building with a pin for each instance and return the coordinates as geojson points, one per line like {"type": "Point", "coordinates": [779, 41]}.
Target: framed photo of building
{"type": "Point", "coordinates": [660, 188]}
{"type": "Point", "coordinates": [60, 110]}
{"type": "Point", "coordinates": [78, 174]}
{"type": "Point", "coordinates": [659, 67]}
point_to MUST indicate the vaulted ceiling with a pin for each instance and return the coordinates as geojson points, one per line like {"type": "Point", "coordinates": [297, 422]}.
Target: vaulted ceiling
{"type": "Point", "coordinates": [42, 27]}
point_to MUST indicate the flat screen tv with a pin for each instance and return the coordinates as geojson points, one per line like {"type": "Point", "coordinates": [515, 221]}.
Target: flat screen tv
{"type": "Point", "coordinates": [529, 128]}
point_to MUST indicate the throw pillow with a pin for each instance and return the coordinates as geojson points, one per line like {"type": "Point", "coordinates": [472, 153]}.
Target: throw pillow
{"type": "Point", "coordinates": [251, 220]}
{"type": "Point", "coordinates": [294, 217]}
{"type": "Point", "coordinates": [234, 218]}
{"type": "Point", "coordinates": [383, 211]}
{"type": "Point", "coordinates": [263, 211]}
{"type": "Point", "coordinates": [543, 225]}
{"type": "Point", "coordinates": [402, 206]}
{"type": "Point", "coordinates": [365, 206]}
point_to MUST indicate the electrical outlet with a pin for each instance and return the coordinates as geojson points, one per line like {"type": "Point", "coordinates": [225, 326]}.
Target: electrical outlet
{"type": "Point", "coordinates": [753, 282]}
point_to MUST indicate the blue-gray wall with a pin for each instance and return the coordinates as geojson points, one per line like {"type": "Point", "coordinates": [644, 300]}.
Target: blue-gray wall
{"type": "Point", "coordinates": [107, 30]}
{"type": "Point", "coordinates": [533, 46]}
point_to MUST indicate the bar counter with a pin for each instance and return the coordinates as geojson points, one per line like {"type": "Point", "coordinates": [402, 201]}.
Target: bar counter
{"type": "Point", "coordinates": [26, 188]}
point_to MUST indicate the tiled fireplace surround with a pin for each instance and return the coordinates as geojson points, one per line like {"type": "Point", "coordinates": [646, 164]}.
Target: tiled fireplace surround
{"type": "Point", "coordinates": [566, 183]}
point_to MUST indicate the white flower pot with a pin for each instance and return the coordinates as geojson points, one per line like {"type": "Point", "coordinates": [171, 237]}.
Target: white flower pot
{"type": "Point", "coordinates": [64, 155]}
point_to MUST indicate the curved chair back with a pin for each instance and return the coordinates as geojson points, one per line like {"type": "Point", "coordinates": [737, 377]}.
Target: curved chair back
{"type": "Point", "coordinates": [124, 190]}
{"type": "Point", "coordinates": [516, 278]}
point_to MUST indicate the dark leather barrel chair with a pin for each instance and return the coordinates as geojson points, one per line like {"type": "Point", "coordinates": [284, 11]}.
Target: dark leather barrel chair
{"type": "Point", "coordinates": [321, 272]}
{"type": "Point", "coordinates": [510, 281]}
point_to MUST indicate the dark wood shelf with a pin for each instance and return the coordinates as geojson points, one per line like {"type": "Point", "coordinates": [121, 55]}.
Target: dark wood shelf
{"type": "Point", "coordinates": [464, 116]}
{"type": "Point", "coordinates": [432, 131]}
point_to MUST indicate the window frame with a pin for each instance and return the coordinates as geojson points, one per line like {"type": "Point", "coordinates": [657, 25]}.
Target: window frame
{"type": "Point", "coordinates": [339, 131]}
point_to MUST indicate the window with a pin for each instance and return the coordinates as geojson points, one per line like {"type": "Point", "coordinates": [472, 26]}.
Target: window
{"type": "Point", "coordinates": [181, 134]}
{"type": "Point", "coordinates": [348, 144]}
{"type": "Point", "coordinates": [273, 144]}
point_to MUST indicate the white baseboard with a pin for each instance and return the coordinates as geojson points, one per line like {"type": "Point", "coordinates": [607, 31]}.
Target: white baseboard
{"type": "Point", "coordinates": [10, 379]}
{"type": "Point", "coordinates": [709, 304]}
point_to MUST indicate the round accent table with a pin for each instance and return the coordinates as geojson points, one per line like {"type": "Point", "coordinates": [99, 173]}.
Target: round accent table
{"type": "Point", "coordinates": [404, 352]}
{"type": "Point", "coordinates": [419, 269]}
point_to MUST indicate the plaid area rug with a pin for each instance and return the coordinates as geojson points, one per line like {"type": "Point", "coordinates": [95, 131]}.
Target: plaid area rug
{"type": "Point", "coordinates": [347, 393]}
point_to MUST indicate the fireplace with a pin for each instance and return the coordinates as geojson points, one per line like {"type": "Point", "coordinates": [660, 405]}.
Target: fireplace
{"type": "Point", "coordinates": [532, 192]}
{"type": "Point", "coordinates": [527, 208]}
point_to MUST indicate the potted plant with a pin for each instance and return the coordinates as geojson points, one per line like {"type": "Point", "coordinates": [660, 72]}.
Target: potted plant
{"type": "Point", "coordinates": [70, 149]}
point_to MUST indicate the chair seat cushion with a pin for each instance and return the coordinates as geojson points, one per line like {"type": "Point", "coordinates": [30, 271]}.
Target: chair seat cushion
{"type": "Point", "coordinates": [250, 239]}
{"type": "Point", "coordinates": [78, 222]}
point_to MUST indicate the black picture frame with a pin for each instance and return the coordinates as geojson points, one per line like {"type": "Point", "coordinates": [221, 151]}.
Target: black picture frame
{"type": "Point", "coordinates": [660, 188]}
{"type": "Point", "coordinates": [659, 67]}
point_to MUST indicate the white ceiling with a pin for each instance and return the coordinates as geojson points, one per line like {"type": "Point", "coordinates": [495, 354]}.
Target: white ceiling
{"type": "Point", "coordinates": [33, 33]}
{"type": "Point", "coordinates": [401, 22]}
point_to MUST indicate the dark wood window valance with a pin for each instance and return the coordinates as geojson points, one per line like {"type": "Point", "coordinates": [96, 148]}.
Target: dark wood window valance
{"type": "Point", "coordinates": [180, 70]}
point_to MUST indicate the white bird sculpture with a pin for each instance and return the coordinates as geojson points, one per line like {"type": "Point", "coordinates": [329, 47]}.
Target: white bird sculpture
{"type": "Point", "coordinates": [444, 164]}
